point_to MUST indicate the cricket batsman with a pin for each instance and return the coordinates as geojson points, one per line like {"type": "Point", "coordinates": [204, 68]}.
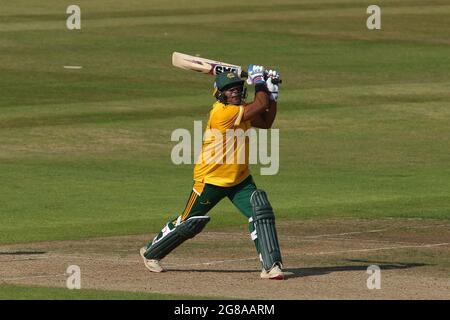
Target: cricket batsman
{"type": "Point", "coordinates": [215, 180]}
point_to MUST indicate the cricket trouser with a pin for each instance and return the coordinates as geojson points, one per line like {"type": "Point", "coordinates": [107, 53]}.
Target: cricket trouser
{"type": "Point", "coordinates": [205, 196]}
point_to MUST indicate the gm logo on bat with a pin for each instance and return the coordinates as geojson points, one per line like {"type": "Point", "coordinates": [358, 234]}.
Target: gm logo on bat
{"type": "Point", "coordinates": [219, 69]}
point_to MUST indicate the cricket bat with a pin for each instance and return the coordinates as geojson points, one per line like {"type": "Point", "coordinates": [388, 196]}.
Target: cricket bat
{"type": "Point", "coordinates": [206, 66]}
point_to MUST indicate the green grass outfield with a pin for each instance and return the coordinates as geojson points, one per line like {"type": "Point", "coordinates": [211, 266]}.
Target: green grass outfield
{"type": "Point", "coordinates": [17, 292]}
{"type": "Point", "coordinates": [364, 116]}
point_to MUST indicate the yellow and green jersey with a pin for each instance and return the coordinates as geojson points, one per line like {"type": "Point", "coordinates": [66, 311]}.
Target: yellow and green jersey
{"type": "Point", "coordinates": [213, 167]}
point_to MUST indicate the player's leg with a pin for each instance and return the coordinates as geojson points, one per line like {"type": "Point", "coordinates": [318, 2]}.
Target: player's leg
{"type": "Point", "coordinates": [187, 225]}
{"type": "Point", "coordinates": [253, 203]}
{"type": "Point", "coordinates": [240, 196]}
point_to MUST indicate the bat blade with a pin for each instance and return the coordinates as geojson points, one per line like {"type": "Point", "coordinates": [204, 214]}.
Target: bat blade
{"type": "Point", "coordinates": [207, 66]}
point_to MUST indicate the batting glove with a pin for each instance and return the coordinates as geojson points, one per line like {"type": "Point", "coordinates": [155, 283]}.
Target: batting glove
{"type": "Point", "coordinates": [255, 74]}
{"type": "Point", "coordinates": [271, 87]}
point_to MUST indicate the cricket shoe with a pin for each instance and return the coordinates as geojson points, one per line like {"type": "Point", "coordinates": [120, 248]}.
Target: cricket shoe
{"type": "Point", "coordinates": [151, 264]}
{"type": "Point", "coordinates": [274, 274]}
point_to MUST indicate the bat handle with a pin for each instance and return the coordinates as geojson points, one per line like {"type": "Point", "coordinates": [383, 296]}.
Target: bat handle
{"type": "Point", "coordinates": [244, 74]}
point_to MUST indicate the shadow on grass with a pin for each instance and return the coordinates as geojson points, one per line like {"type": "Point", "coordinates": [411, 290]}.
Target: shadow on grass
{"type": "Point", "coordinates": [316, 271]}
{"type": "Point", "coordinates": [20, 253]}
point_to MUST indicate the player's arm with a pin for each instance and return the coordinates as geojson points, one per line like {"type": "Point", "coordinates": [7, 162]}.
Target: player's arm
{"type": "Point", "coordinates": [270, 114]}
{"type": "Point", "coordinates": [258, 106]}
{"type": "Point", "coordinates": [264, 120]}
{"type": "Point", "coordinates": [261, 101]}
